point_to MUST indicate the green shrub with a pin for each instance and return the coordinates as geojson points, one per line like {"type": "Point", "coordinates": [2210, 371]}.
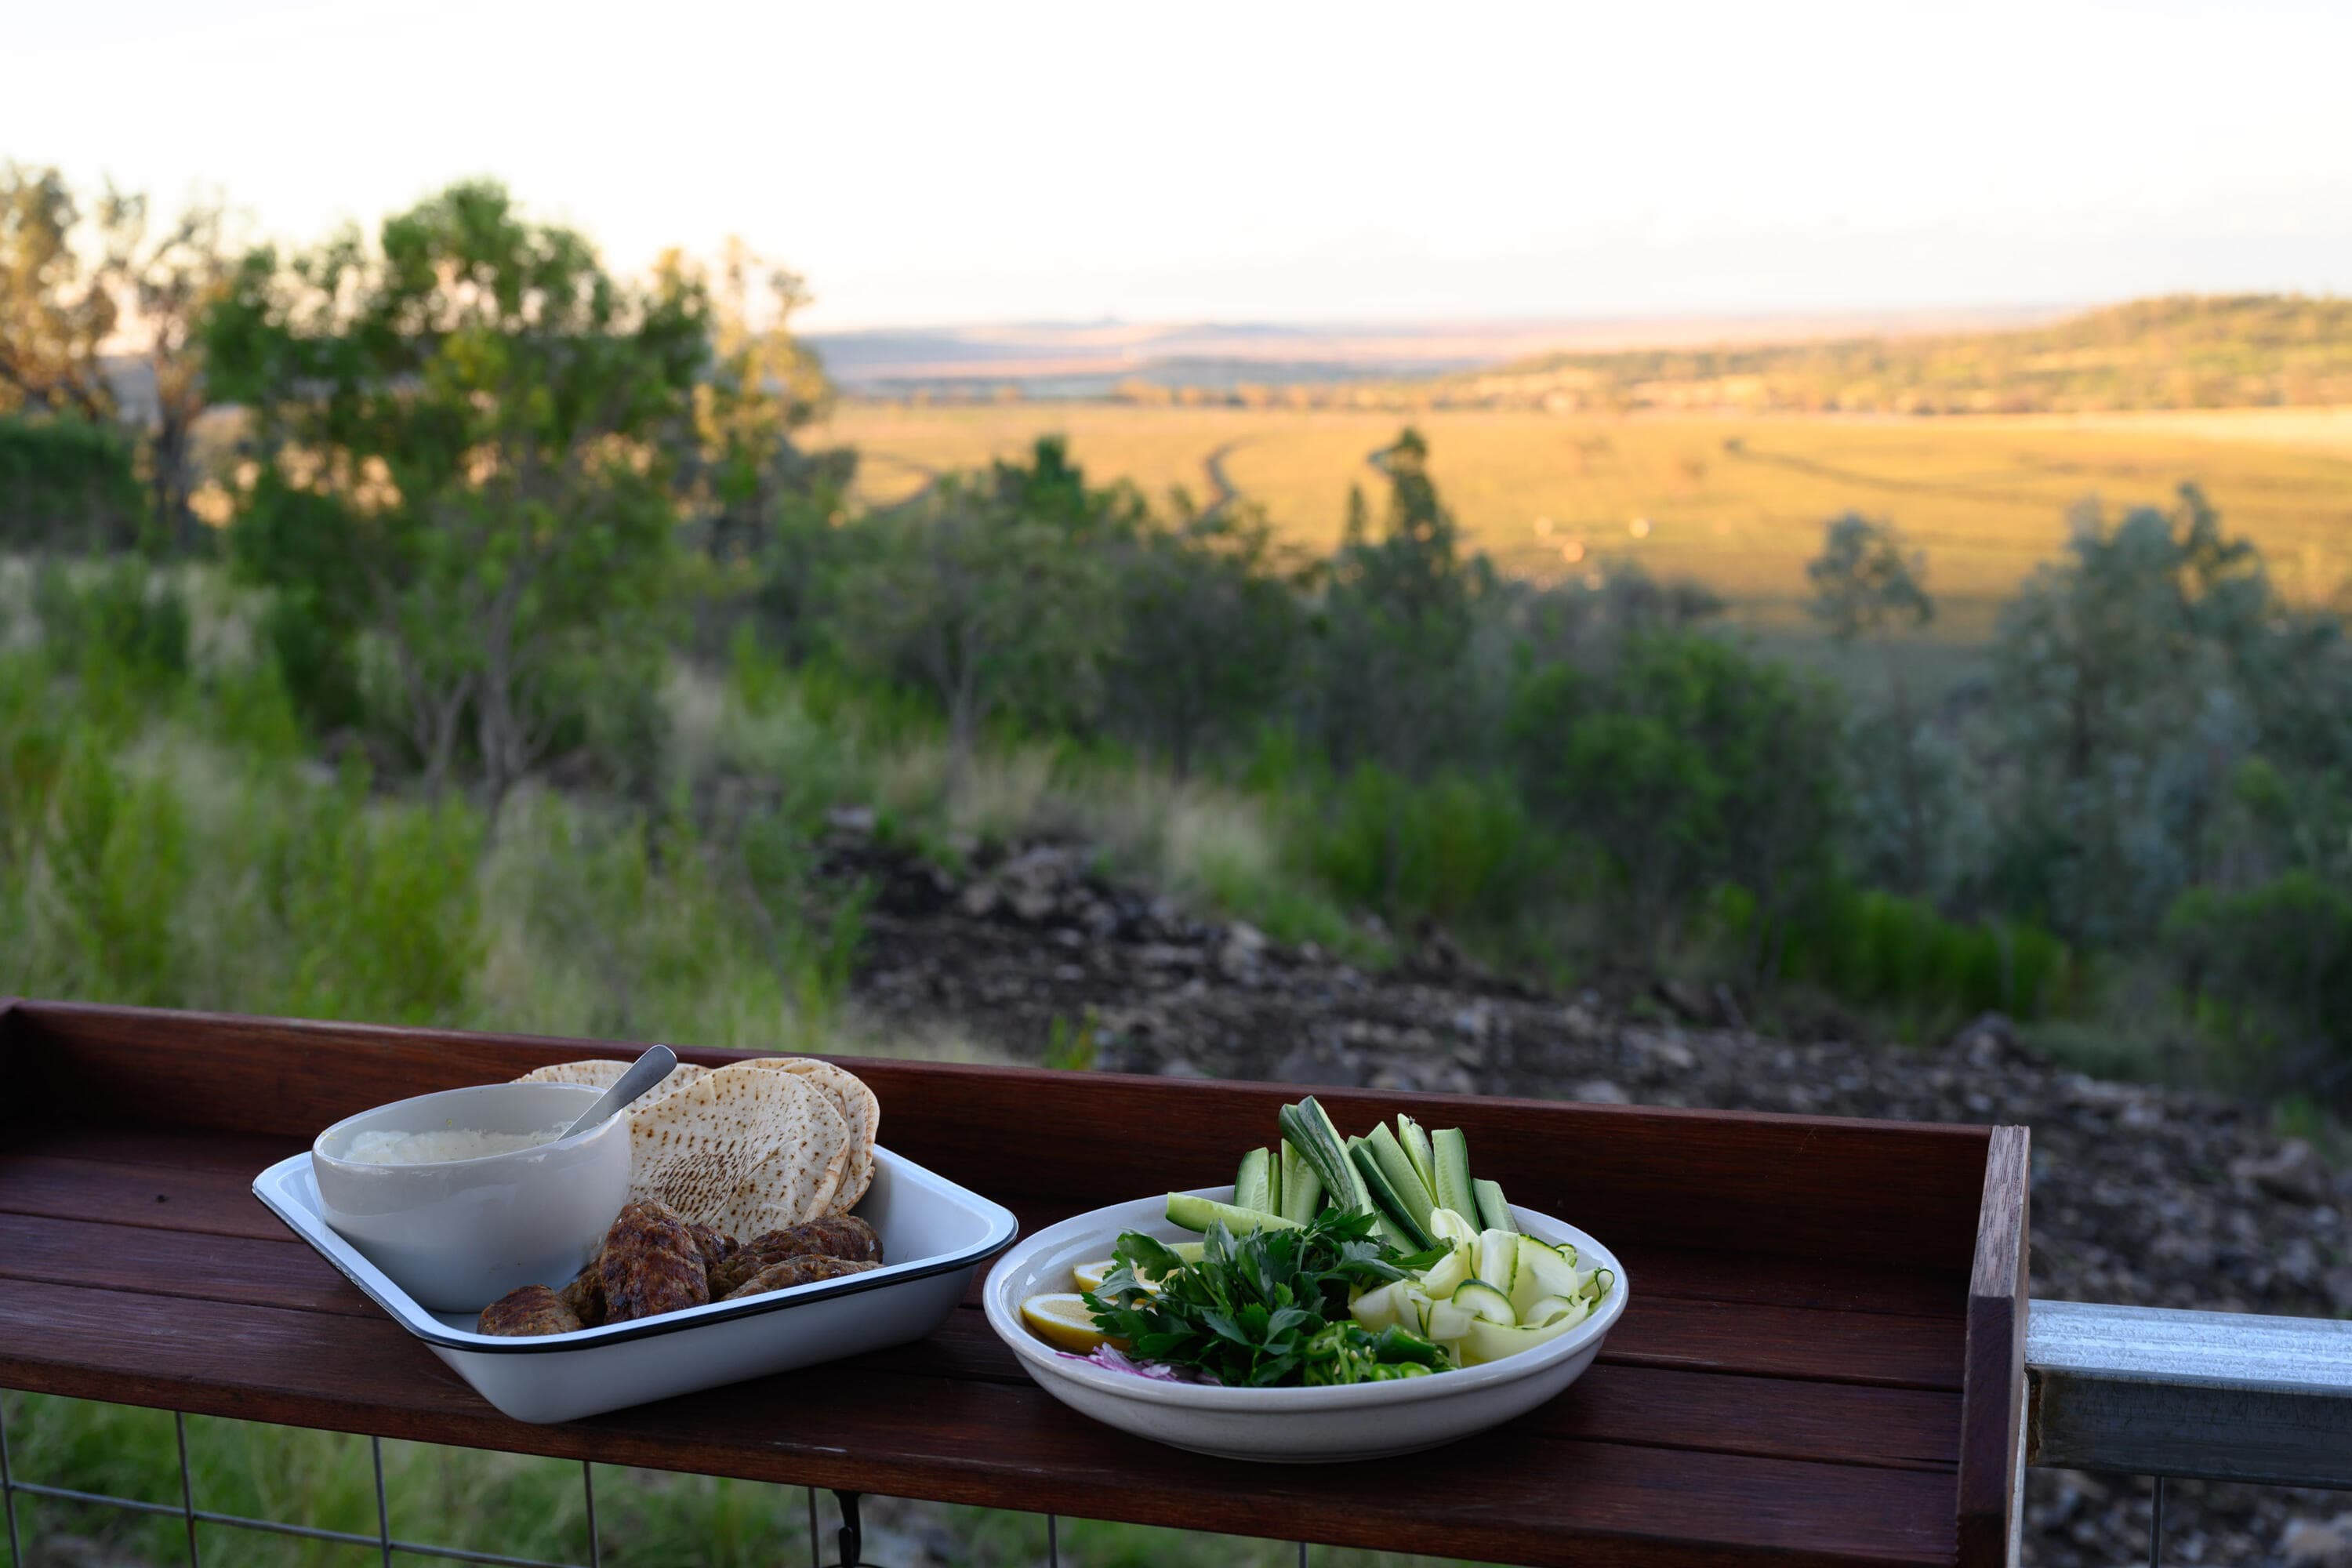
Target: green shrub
{"type": "Point", "coordinates": [33, 733]}
{"type": "Point", "coordinates": [1456, 850]}
{"type": "Point", "coordinates": [1686, 764]}
{"type": "Point", "coordinates": [2268, 976]}
{"type": "Point", "coordinates": [116, 851]}
{"type": "Point", "coordinates": [1898, 955]}
{"type": "Point", "coordinates": [375, 903]}
{"type": "Point", "coordinates": [316, 661]}
{"type": "Point", "coordinates": [66, 484]}
{"type": "Point", "coordinates": [119, 622]}
{"type": "Point", "coordinates": [249, 710]}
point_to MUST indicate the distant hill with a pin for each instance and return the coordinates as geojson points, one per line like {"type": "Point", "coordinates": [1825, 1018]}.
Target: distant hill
{"type": "Point", "coordinates": [2179, 351]}
{"type": "Point", "coordinates": [1142, 359]}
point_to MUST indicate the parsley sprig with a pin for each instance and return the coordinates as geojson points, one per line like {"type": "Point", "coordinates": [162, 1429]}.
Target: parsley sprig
{"type": "Point", "coordinates": [1264, 1308]}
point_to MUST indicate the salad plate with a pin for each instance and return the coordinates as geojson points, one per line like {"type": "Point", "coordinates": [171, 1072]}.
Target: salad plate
{"type": "Point", "coordinates": [1289, 1425]}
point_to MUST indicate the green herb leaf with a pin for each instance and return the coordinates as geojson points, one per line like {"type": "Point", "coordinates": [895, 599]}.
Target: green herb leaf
{"type": "Point", "coordinates": [1266, 1308]}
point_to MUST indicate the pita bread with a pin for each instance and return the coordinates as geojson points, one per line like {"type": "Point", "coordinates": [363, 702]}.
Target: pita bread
{"type": "Point", "coordinates": [798, 1181]}
{"type": "Point", "coordinates": [858, 1105]}
{"type": "Point", "coordinates": [695, 1147]}
{"type": "Point", "coordinates": [603, 1073]}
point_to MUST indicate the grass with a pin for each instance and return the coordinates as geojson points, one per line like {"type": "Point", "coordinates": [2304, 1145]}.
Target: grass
{"type": "Point", "coordinates": [512, 1504]}
{"type": "Point", "coordinates": [1736, 501]}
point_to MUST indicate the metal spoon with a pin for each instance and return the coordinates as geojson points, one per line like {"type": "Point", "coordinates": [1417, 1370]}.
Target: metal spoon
{"type": "Point", "coordinates": [644, 1073]}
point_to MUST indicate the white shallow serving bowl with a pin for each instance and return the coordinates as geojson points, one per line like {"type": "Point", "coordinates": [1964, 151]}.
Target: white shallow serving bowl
{"type": "Point", "coordinates": [457, 1235]}
{"type": "Point", "coordinates": [1292, 1425]}
{"type": "Point", "coordinates": [935, 1235]}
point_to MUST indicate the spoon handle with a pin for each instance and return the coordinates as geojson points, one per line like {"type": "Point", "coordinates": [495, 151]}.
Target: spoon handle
{"type": "Point", "coordinates": [644, 1073]}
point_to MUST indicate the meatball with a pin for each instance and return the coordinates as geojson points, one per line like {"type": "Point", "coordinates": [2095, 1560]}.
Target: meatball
{"type": "Point", "coordinates": [805, 1269]}
{"type": "Point", "coordinates": [834, 1236]}
{"type": "Point", "coordinates": [585, 1294]}
{"type": "Point", "coordinates": [650, 1264]}
{"type": "Point", "coordinates": [533, 1310]}
{"type": "Point", "coordinates": [717, 1246]}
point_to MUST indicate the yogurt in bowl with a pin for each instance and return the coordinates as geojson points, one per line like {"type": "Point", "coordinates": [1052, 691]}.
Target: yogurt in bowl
{"type": "Point", "coordinates": [439, 1147]}
{"type": "Point", "coordinates": [464, 1195]}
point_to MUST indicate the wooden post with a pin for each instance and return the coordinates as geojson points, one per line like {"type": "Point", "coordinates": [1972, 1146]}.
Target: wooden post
{"type": "Point", "coordinates": [1993, 1408]}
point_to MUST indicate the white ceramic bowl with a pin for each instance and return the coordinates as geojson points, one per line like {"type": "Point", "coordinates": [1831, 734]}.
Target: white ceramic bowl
{"type": "Point", "coordinates": [1294, 1425]}
{"type": "Point", "coordinates": [458, 1234]}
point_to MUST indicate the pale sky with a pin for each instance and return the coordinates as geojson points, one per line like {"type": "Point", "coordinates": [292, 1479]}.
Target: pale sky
{"type": "Point", "coordinates": [965, 163]}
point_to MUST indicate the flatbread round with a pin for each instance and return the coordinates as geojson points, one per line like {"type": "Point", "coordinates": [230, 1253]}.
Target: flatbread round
{"type": "Point", "coordinates": [858, 1105]}
{"type": "Point", "coordinates": [604, 1072]}
{"type": "Point", "coordinates": [798, 1180]}
{"type": "Point", "coordinates": [696, 1147]}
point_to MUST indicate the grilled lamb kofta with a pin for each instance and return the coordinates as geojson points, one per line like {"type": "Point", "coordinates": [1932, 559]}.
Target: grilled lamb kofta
{"type": "Point", "coordinates": [716, 1246]}
{"type": "Point", "coordinates": [805, 1269]}
{"type": "Point", "coordinates": [843, 1236]}
{"type": "Point", "coordinates": [585, 1294]}
{"type": "Point", "coordinates": [651, 1263]}
{"type": "Point", "coordinates": [533, 1310]}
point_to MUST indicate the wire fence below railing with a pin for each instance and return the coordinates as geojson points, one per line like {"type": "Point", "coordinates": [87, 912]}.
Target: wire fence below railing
{"type": "Point", "coordinates": [850, 1535]}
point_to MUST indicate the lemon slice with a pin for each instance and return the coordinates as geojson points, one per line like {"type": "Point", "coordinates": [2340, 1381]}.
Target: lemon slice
{"type": "Point", "coordinates": [1090, 1276]}
{"type": "Point", "coordinates": [1062, 1320]}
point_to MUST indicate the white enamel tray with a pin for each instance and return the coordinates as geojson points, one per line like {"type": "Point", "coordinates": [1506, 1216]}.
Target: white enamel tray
{"type": "Point", "coordinates": [1284, 1426]}
{"type": "Point", "coordinates": [934, 1232]}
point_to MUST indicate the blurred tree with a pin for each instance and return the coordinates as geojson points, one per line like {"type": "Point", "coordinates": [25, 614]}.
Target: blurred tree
{"type": "Point", "coordinates": [1867, 586]}
{"type": "Point", "coordinates": [172, 279]}
{"type": "Point", "coordinates": [990, 607]}
{"type": "Point", "coordinates": [70, 278]}
{"type": "Point", "coordinates": [1578, 623]}
{"type": "Point", "coordinates": [1684, 764]}
{"type": "Point", "coordinates": [68, 484]}
{"type": "Point", "coordinates": [1210, 616]}
{"type": "Point", "coordinates": [462, 437]}
{"type": "Point", "coordinates": [1396, 619]}
{"type": "Point", "coordinates": [763, 383]}
{"type": "Point", "coordinates": [58, 307]}
{"type": "Point", "coordinates": [2132, 678]}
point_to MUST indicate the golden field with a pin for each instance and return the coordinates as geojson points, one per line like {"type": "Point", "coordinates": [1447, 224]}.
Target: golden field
{"type": "Point", "coordinates": [1733, 501]}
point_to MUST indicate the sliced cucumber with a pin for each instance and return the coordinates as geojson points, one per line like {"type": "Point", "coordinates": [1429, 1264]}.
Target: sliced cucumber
{"type": "Point", "coordinates": [1546, 1309]}
{"type": "Point", "coordinates": [1451, 1151]}
{"type": "Point", "coordinates": [1416, 1148]}
{"type": "Point", "coordinates": [1498, 1260]}
{"type": "Point", "coordinates": [1198, 1214]}
{"type": "Point", "coordinates": [1451, 1224]}
{"type": "Point", "coordinates": [1302, 1189]}
{"type": "Point", "coordinates": [1487, 1342]}
{"type": "Point", "coordinates": [1489, 1301]}
{"type": "Point", "coordinates": [1542, 1272]}
{"type": "Point", "coordinates": [1449, 1322]}
{"type": "Point", "coordinates": [1310, 1131]}
{"type": "Point", "coordinates": [1492, 1212]}
{"type": "Point", "coordinates": [1566, 1249]}
{"type": "Point", "coordinates": [1391, 1208]}
{"type": "Point", "coordinates": [1448, 1272]}
{"type": "Point", "coordinates": [1403, 1179]}
{"type": "Point", "coordinates": [1384, 1307]}
{"type": "Point", "coordinates": [1253, 1184]}
{"type": "Point", "coordinates": [1604, 1281]}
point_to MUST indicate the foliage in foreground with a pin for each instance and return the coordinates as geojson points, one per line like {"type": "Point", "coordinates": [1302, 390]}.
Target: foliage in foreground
{"type": "Point", "coordinates": [511, 1504]}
